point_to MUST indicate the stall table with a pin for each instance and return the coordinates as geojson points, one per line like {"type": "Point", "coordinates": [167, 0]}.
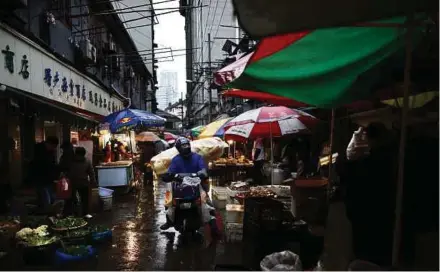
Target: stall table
{"type": "Point", "coordinates": [116, 174]}
{"type": "Point", "coordinates": [222, 173]}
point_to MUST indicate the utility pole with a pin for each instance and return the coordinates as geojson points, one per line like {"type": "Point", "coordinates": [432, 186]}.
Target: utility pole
{"type": "Point", "coordinates": [210, 71]}
{"type": "Point", "coordinates": [181, 110]}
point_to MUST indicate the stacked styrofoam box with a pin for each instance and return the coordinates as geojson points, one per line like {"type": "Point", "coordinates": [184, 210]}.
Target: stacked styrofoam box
{"type": "Point", "coordinates": [234, 232]}
{"type": "Point", "coordinates": [234, 213]}
{"type": "Point", "coordinates": [219, 197]}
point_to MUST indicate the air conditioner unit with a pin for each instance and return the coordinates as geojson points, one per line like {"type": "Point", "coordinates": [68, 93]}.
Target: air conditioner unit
{"type": "Point", "coordinates": [88, 50]}
{"type": "Point", "coordinates": [116, 63]}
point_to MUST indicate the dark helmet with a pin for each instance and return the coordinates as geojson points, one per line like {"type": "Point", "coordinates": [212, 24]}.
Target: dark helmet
{"type": "Point", "coordinates": [183, 145]}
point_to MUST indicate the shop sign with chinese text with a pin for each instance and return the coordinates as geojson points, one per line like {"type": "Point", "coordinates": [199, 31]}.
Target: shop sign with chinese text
{"type": "Point", "coordinates": [28, 67]}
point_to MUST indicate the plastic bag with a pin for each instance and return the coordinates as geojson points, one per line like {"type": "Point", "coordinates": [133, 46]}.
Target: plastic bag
{"type": "Point", "coordinates": [281, 261]}
{"type": "Point", "coordinates": [358, 146]}
{"type": "Point", "coordinates": [206, 216]}
{"type": "Point", "coordinates": [209, 149]}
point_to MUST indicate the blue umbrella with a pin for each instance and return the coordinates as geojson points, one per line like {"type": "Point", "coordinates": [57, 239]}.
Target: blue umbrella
{"type": "Point", "coordinates": [129, 119]}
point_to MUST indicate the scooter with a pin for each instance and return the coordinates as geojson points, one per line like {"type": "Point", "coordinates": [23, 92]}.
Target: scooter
{"type": "Point", "coordinates": [187, 203]}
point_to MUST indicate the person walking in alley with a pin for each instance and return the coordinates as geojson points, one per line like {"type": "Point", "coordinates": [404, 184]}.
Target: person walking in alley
{"type": "Point", "coordinates": [65, 162]}
{"type": "Point", "coordinates": [148, 151]}
{"type": "Point", "coordinates": [44, 172]}
{"type": "Point", "coordinates": [82, 177]}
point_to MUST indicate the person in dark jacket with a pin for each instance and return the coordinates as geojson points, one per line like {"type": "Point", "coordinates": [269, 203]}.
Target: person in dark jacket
{"type": "Point", "coordinates": [67, 156]}
{"type": "Point", "coordinates": [148, 151]}
{"type": "Point", "coordinates": [65, 161]}
{"type": "Point", "coordinates": [44, 171]}
{"type": "Point", "coordinates": [370, 198]}
{"type": "Point", "coordinates": [82, 177]}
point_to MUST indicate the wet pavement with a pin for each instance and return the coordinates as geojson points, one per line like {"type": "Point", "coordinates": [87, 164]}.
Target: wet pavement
{"type": "Point", "coordinates": [138, 243]}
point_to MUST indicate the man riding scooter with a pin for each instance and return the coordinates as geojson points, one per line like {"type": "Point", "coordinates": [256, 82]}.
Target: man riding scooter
{"type": "Point", "coordinates": [187, 162]}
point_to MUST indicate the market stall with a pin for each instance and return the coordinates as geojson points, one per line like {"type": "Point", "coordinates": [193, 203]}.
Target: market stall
{"type": "Point", "coordinates": [229, 168]}
{"type": "Point", "coordinates": [119, 170]}
{"type": "Point", "coordinates": [231, 165]}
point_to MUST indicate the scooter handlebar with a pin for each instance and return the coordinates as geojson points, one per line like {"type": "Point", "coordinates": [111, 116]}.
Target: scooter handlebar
{"type": "Point", "coordinates": [169, 177]}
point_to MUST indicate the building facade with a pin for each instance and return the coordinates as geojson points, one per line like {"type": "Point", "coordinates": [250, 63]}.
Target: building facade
{"type": "Point", "coordinates": [208, 26]}
{"type": "Point", "coordinates": [140, 21]}
{"type": "Point", "coordinates": [167, 93]}
{"type": "Point", "coordinates": [65, 65]}
{"type": "Point", "coordinates": [177, 109]}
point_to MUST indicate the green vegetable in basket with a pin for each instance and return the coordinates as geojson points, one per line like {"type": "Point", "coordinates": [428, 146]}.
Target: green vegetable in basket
{"type": "Point", "coordinates": [99, 229]}
{"type": "Point", "coordinates": [77, 251]}
{"type": "Point", "coordinates": [36, 240]}
{"type": "Point", "coordinates": [69, 222]}
{"type": "Point", "coordinates": [77, 233]}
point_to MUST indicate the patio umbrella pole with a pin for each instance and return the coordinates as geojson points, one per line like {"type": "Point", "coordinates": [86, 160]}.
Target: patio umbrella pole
{"type": "Point", "coordinates": [271, 153]}
{"type": "Point", "coordinates": [330, 163]}
{"type": "Point", "coordinates": [400, 174]}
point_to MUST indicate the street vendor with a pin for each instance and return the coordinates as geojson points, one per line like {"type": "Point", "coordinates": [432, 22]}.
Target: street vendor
{"type": "Point", "coordinates": [122, 151]}
{"type": "Point", "coordinates": [109, 156]}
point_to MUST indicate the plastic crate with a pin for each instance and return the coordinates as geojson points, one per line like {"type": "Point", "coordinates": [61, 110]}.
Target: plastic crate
{"type": "Point", "coordinates": [262, 214]}
{"type": "Point", "coordinates": [234, 232]}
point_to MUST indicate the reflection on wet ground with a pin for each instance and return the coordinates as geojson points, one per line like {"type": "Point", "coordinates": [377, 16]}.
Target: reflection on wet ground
{"type": "Point", "coordinates": [139, 244]}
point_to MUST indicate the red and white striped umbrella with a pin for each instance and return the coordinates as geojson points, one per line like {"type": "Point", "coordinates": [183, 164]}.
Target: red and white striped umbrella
{"type": "Point", "coordinates": [269, 122]}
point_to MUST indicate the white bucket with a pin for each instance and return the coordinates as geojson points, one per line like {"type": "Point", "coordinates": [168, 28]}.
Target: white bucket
{"type": "Point", "coordinates": [104, 192]}
{"type": "Point", "coordinates": [107, 202]}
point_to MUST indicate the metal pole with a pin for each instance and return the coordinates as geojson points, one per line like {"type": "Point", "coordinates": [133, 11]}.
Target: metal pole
{"type": "Point", "coordinates": [209, 90]}
{"type": "Point", "coordinates": [332, 131]}
{"type": "Point", "coordinates": [181, 112]}
{"type": "Point", "coordinates": [404, 121]}
{"type": "Point", "coordinates": [330, 163]}
{"type": "Point", "coordinates": [271, 153]}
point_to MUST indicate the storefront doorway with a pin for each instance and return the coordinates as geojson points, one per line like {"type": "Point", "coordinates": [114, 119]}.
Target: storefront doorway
{"type": "Point", "coordinates": [53, 129]}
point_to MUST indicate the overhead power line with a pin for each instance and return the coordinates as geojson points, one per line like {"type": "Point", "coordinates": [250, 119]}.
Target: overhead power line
{"type": "Point", "coordinates": [110, 12]}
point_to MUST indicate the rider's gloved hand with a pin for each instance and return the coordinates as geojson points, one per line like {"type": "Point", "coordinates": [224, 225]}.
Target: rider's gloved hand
{"type": "Point", "coordinates": [203, 174]}
{"type": "Point", "coordinates": [178, 178]}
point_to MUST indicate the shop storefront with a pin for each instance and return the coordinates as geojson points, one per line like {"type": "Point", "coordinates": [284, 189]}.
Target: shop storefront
{"type": "Point", "coordinates": [41, 96]}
